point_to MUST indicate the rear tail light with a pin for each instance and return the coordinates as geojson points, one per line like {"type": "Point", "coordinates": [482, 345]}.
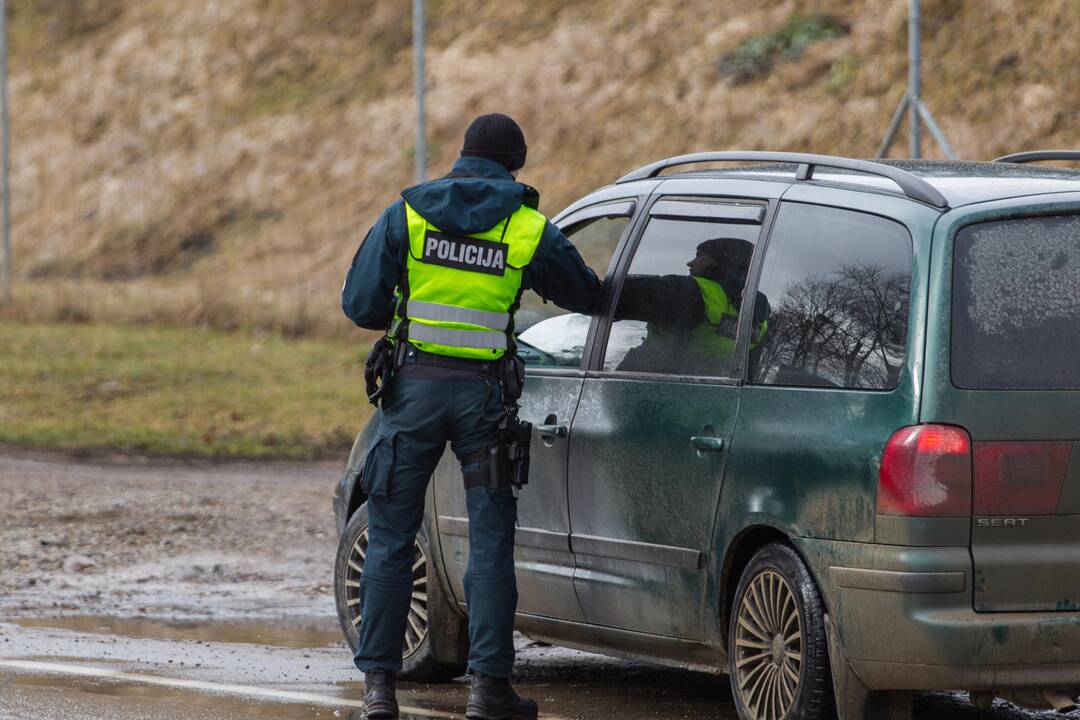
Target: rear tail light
{"type": "Point", "coordinates": [926, 472]}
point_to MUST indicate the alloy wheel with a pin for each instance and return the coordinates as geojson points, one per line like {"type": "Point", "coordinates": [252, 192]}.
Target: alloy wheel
{"type": "Point", "coordinates": [417, 626]}
{"type": "Point", "coordinates": [768, 647]}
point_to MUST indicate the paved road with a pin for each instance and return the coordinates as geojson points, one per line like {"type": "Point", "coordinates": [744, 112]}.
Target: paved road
{"type": "Point", "coordinates": [89, 668]}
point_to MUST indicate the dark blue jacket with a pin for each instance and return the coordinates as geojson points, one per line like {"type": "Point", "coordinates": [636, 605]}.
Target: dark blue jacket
{"type": "Point", "coordinates": [475, 196]}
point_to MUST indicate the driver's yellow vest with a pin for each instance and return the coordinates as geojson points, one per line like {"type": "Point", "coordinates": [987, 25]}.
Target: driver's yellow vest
{"type": "Point", "coordinates": [459, 292]}
{"type": "Point", "coordinates": [714, 340]}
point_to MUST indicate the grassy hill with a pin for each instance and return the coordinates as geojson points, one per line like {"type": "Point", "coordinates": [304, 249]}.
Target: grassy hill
{"type": "Point", "coordinates": [216, 162]}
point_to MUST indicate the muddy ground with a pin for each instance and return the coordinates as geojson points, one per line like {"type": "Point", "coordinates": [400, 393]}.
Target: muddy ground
{"type": "Point", "coordinates": [167, 539]}
{"type": "Point", "coordinates": [146, 590]}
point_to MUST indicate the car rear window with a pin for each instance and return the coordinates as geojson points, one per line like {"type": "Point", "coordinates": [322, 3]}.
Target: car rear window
{"type": "Point", "coordinates": [1016, 305]}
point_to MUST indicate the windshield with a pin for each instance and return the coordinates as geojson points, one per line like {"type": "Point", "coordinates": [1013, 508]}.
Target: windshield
{"type": "Point", "coordinates": [556, 341]}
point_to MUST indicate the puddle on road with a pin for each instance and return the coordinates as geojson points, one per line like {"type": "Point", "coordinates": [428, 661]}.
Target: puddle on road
{"type": "Point", "coordinates": [291, 633]}
{"type": "Point", "coordinates": [40, 696]}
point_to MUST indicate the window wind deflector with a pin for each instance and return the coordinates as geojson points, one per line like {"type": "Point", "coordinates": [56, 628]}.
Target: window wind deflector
{"type": "Point", "coordinates": [739, 214]}
{"type": "Point", "coordinates": [619, 208]}
{"type": "Point", "coordinates": [1039, 156]}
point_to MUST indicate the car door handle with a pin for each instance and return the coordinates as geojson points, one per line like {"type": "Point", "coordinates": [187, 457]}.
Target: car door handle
{"type": "Point", "coordinates": [552, 431]}
{"type": "Point", "coordinates": [708, 443]}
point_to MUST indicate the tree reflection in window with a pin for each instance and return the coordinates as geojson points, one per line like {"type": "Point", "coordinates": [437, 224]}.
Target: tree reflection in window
{"type": "Point", "coordinates": [839, 326]}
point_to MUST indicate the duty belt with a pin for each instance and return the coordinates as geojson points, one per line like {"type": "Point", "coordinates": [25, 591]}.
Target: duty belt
{"type": "Point", "coordinates": [415, 356]}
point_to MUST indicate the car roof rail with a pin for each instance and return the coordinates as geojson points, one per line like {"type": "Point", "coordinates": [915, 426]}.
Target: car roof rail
{"type": "Point", "coordinates": [910, 184]}
{"type": "Point", "coordinates": [1039, 156]}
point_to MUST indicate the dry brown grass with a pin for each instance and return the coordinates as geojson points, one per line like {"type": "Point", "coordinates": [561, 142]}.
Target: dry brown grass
{"type": "Point", "coordinates": [216, 163]}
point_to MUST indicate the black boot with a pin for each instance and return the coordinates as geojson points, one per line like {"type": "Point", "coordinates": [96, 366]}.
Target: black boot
{"type": "Point", "coordinates": [380, 700]}
{"type": "Point", "coordinates": [492, 698]}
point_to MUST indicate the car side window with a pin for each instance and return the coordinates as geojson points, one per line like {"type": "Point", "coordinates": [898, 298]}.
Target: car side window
{"type": "Point", "coordinates": [549, 336]}
{"type": "Point", "coordinates": [838, 284]}
{"type": "Point", "coordinates": [679, 306]}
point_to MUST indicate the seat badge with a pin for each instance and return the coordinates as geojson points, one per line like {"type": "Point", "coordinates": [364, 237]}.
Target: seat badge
{"type": "Point", "coordinates": [998, 522]}
{"type": "Point", "coordinates": [464, 253]}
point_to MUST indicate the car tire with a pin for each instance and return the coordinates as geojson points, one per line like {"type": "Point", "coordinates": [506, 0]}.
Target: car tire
{"type": "Point", "coordinates": [436, 646]}
{"type": "Point", "coordinates": [778, 655]}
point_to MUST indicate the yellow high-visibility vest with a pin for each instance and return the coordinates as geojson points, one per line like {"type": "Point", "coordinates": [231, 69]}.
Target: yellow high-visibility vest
{"type": "Point", "coordinates": [460, 291]}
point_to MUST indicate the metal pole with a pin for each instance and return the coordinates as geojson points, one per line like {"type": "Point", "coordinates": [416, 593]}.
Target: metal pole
{"type": "Point", "coordinates": [911, 103]}
{"type": "Point", "coordinates": [4, 150]}
{"type": "Point", "coordinates": [914, 80]}
{"type": "Point", "coordinates": [894, 125]}
{"type": "Point", "coordinates": [418, 66]}
{"type": "Point", "coordinates": [932, 125]}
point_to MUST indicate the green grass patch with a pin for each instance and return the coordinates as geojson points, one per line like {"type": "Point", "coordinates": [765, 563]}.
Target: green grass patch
{"type": "Point", "coordinates": [278, 95]}
{"type": "Point", "coordinates": [37, 26]}
{"type": "Point", "coordinates": [755, 57]}
{"type": "Point", "coordinates": [180, 392]}
{"type": "Point", "coordinates": [843, 72]}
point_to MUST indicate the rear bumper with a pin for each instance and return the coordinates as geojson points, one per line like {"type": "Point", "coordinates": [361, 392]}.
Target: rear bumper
{"type": "Point", "coordinates": [905, 618]}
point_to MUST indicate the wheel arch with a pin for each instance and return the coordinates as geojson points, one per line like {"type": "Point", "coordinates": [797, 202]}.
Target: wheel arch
{"type": "Point", "coordinates": [349, 494]}
{"type": "Point", "coordinates": [356, 497]}
{"type": "Point", "coordinates": [740, 550]}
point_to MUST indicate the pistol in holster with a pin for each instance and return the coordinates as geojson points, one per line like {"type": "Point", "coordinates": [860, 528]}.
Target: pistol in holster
{"type": "Point", "coordinates": [508, 462]}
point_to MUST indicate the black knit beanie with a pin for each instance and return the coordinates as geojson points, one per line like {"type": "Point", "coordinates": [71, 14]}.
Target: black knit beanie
{"type": "Point", "coordinates": [496, 137]}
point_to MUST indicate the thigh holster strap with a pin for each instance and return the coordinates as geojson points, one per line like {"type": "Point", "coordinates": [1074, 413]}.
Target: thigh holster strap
{"type": "Point", "coordinates": [487, 468]}
{"type": "Point", "coordinates": [476, 469]}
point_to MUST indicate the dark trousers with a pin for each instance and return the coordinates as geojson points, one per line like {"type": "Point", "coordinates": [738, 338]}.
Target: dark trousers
{"type": "Point", "coordinates": [420, 415]}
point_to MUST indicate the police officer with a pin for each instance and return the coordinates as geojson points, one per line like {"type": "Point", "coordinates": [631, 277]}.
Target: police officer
{"type": "Point", "coordinates": [444, 268]}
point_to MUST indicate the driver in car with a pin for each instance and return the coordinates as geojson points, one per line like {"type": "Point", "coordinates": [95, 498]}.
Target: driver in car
{"type": "Point", "coordinates": [693, 319]}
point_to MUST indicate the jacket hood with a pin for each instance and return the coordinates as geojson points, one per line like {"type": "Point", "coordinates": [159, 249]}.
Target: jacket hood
{"type": "Point", "coordinates": [476, 195]}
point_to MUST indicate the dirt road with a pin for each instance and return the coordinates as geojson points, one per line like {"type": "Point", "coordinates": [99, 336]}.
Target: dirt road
{"type": "Point", "coordinates": [168, 539]}
{"type": "Point", "coordinates": [189, 592]}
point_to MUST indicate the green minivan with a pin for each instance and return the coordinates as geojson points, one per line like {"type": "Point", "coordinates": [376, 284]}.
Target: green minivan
{"type": "Point", "coordinates": [823, 435]}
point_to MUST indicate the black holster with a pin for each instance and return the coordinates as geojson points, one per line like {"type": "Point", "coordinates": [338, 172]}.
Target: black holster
{"type": "Point", "coordinates": [508, 461]}
{"type": "Point", "coordinates": [510, 457]}
{"type": "Point", "coordinates": [511, 378]}
{"type": "Point", "coordinates": [379, 369]}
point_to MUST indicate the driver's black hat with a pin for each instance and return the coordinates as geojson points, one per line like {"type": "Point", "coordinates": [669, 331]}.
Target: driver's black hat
{"type": "Point", "coordinates": [729, 252]}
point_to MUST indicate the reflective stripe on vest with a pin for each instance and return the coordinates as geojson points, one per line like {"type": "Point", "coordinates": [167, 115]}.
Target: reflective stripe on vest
{"type": "Point", "coordinates": [421, 310]}
{"type": "Point", "coordinates": [460, 289]}
{"type": "Point", "coordinates": [486, 339]}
